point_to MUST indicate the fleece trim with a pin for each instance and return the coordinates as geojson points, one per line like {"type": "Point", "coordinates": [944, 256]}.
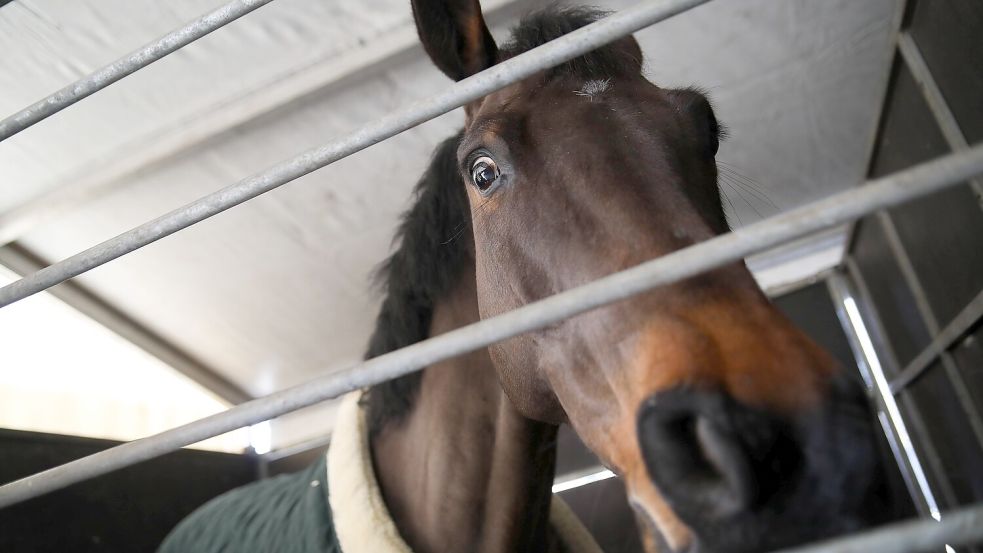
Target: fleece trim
{"type": "Point", "coordinates": [361, 519]}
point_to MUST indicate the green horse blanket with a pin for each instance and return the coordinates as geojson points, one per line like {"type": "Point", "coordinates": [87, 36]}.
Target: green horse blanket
{"type": "Point", "coordinates": [333, 506]}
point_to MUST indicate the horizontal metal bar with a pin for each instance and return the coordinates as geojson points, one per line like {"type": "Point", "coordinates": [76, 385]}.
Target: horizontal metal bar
{"type": "Point", "coordinates": [126, 65]}
{"type": "Point", "coordinates": [581, 478]}
{"type": "Point", "coordinates": [567, 47]}
{"type": "Point", "coordinates": [320, 442]}
{"type": "Point", "coordinates": [966, 318]}
{"type": "Point", "coordinates": [845, 206]}
{"type": "Point", "coordinates": [957, 528]}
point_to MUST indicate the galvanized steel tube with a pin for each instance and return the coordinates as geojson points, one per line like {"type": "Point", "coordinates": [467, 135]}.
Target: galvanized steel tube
{"type": "Point", "coordinates": [126, 65]}
{"type": "Point", "coordinates": [578, 42]}
{"type": "Point", "coordinates": [727, 248]}
{"type": "Point", "coordinates": [957, 528]}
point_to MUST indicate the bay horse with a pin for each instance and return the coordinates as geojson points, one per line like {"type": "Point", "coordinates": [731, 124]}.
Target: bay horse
{"type": "Point", "coordinates": [732, 431]}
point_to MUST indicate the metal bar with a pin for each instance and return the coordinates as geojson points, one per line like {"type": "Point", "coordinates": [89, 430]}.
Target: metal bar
{"type": "Point", "coordinates": [924, 308]}
{"type": "Point", "coordinates": [969, 316]}
{"type": "Point", "coordinates": [734, 246]}
{"type": "Point", "coordinates": [884, 89]}
{"type": "Point", "coordinates": [797, 263]}
{"type": "Point", "coordinates": [320, 442]}
{"type": "Point", "coordinates": [580, 478]}
{"type": "Point", "coordinates": [116, 170]}
{"type": "Point", "coordinates": [567, 47]}
{"type": "Point", "coordinates": [935, 100]}
{"type": "Point", "coordinates": [916, 64]}
{"type": "Point", "coordinates": [957, 528]}
{"type": "Point", "coordinates": [795, 286]}
{"type": "Point", "coordinates": [861, 340]}
{"type": "Point", "coordinates": [911, 412]}
{"type": "Point", "coordinates": [22, 261]}
{"type": "Point", "coordinates": [126, 65]}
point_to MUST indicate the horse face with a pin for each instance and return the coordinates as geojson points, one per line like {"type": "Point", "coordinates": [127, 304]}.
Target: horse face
{"type": "Point", "coordinates": [732, 430]}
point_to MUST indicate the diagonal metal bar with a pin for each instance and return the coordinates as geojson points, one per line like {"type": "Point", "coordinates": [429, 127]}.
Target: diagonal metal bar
{"type": "Point", "coordinates": [970, 315]}
{"type": "Point", "coordinates": [840, 208]}
{"type": "Point", "coordinates": [126, 65]}
{"type": "Point", "coordinates": [924, 308]}
{"type": "Point", "coordinates": [935, 100]}
{"type": "Point", "coordinates": [115, 170]}
{"type": "Point", "coordinates": [567, 47]}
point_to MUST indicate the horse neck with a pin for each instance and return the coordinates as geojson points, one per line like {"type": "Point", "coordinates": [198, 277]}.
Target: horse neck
{"type": "Point", "coordinates": [464, 471]}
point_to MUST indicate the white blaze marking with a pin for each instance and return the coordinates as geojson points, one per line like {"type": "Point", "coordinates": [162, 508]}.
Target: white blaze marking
{"type": "Point", "coordinates": [593, 88]}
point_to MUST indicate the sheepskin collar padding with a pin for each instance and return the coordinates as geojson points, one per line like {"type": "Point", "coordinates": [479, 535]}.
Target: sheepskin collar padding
{"type": "Point", "coordinates": [361, 519]}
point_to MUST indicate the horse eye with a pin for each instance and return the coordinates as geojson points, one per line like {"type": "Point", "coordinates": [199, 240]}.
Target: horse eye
{"type": "Point", "coordinates": [484, 173]}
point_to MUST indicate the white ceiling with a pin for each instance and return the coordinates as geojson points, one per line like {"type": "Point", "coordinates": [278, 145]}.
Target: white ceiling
{"type": "Point", "coordinates": [54, 389]}
{"type": "Point", "coordinates": [276, 291]}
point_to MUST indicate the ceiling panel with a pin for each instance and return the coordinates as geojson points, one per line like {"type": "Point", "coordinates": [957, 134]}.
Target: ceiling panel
{"type": "Point", "coordinates": [277, 291]}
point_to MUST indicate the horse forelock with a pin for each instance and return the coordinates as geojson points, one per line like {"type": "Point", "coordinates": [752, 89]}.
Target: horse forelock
{"type": "Point", "coordinates": [539, 27]}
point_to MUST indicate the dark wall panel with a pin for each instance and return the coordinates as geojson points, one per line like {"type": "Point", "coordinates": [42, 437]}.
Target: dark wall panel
{"type": "Point", "coordinates": [603, 508]}
{"type": "Point", "coordinates": [942, 233]}
{"type": "Point", "coordinates": [295, 463]}
{"type": "Point", "coordinates": [908, 134]}
{"type": "Point", "coordinates": [960, 454]}
{"type": "Point", "coordinates": [812, 310]}
{"type": "Point", "coordinates": [968, 356]}
{"type": "Point", "coordinates": [892, 298]}
{"type": "Point", "coordinates": [130, 510]}
{"type": "Point", "coordinates": [948, 34]}
{"type": "Point", "coordinates": [571, 453]}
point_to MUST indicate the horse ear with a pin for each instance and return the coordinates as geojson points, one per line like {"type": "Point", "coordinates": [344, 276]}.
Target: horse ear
{"type": "Point", "coordinates": [455, 36]}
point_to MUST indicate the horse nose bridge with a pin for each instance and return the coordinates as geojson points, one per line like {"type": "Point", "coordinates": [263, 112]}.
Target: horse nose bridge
{"type": "Point", "coordinates": [743, 348]}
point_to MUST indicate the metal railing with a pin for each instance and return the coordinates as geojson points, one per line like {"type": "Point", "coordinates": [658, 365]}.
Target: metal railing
{"type": "Point", "coordinates": [956, 528]}
{"type": "Point", "coordinates": [127, 65]}
{"type": "Point", "coordinates": [565, 48]}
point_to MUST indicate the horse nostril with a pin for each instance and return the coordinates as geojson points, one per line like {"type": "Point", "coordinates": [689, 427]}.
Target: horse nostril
{"type": "Point", "coordinates": [736, 474]}
{"type": "Point", "coordinates": [694, 450]}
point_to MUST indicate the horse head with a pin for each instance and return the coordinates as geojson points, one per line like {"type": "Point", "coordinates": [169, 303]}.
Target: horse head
{"type": "Point", "coordinates": [733, 431]}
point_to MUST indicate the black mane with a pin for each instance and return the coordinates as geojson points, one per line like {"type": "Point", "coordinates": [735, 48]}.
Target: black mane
{"type": "Point", "coordinates": [434, 247]}
{"type": "Point", "coordinates": [434, 237]}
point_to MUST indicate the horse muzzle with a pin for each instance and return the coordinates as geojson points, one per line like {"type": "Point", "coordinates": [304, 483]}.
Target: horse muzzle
{"type": "Point", "coordinates": [745, 479]}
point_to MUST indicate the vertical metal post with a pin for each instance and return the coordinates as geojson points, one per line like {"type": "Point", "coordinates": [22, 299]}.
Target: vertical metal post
{"type": "Point", "coordinates": [893, 424]}
{"type": "Point", "coordinates": [884, 88]}
{"type": "Point", "coordinates": [911, 412]}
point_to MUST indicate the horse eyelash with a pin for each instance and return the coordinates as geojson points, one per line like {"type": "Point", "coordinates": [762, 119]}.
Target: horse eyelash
{"type": "Point", "coordinates": [723, 131]}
